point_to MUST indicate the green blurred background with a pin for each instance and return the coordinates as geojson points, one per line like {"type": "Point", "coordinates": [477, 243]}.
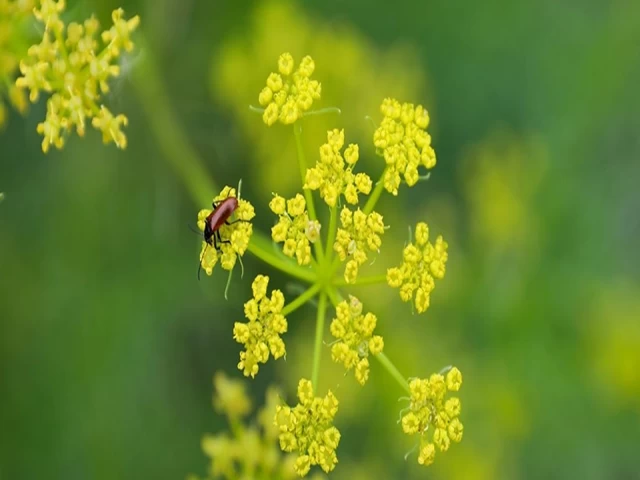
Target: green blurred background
{"type": "Point", "coordinates": [108, 342]}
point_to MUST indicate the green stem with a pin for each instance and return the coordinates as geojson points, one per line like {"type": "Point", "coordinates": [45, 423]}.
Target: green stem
{"type": "Point", "coordinates": [301, 299]}
{"type": "Point", "coordinates": [317, 348]}
{"type": "Point", "coordinates": [331, 235]}
{"type": "Point", "coordinates": [334, 296]}
{"type": "Point", "coordinates": [372, 280]}
{"type": "Point", "coordinates": [260, 247]}
{"type": "Point", "coordinates": [322, 111]}
{"type": "Point", "coordinates": [395, 373]}
{"type": "Point", "coordinates": [375, 195]}
{"type": "Point", "coordinates": [297, 133]}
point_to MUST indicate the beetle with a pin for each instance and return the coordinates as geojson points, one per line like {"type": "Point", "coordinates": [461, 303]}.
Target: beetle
{"type": "Point", "coordinates": [222, 210]}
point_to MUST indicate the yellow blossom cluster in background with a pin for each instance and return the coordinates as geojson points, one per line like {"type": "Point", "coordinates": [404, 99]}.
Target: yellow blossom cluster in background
{"type": "Point", "coordinates": [294, 228]}
{"type": "Point", "coordinates": [288, 93]}
{"type": "Point", "coordinates": [354, 338]}
{"type": "Point", "coordinates": [69, 65]}
{"type": "Point", "coordinates": [360, 233]}
{"type": "Point", "coordinates": [261, 334]}
{"type": "Point", "coordinates": [235, 237]}
{"type": "Point", "coordinates": [432, 416]}
{"type": "Point", "coordinates": [14, 18]}
{"type": "Point", "coordinates": [330, 176]}
{"type": "Point", "coordinates": [307, 429]}
{"type": "Point", "coordinates": [248, 448]}
{"type": "Point", "coordinates": [422, 263]}
{"type": "Point", "coordinates": [403, 141]}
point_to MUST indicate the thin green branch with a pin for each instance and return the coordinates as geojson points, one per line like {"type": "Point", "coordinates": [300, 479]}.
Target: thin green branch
{"type": "Point", "coordinates": [317, 348]}
{"type": "Point", "coordinates": [302, 162]}
{"type": "Point", "coordinates": [301, 299]}
{"type": "Point", "coordinates": [375, 195]}
{"type": "Point", "coordinates": [392, 369]}
{"type": "Point", "coordinates": [331, 234]}
{"type": "Point", "coordinates": [261, 248]}
{"type": "Point", "coordinates": [372, 280]}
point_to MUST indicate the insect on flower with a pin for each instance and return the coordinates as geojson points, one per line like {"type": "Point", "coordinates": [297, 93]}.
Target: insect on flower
{"type": "Point", "coordinates": [222, 211]}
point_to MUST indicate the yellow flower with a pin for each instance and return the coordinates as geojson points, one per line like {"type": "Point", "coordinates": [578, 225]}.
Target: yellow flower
{"type": "Point", "coordinates": [404, 143]}
{"type": "Point", "coordinates": [294, 228]}
{"type": "Point", "coordinates": [432, 415]}
{"type": "Point", "coordinates": [307, 429]}
{"type": "Point", "coordinates": [288, 93]}
{"type": "Point", "coordinates": [231, 396]}
{"type": "Point", "coordinates": [422, 263]}
{"type": "Point", "coordinates": [360, 233]}
{"type": "Point", "coordinates": [14, 28]}
{"type": "Point", "coordinates": [261, 334]}
{"type": "Point", "coordinates": [333, 174]}
{"type": "Point", "coordinates": [355, 339]}
{"type": "Point", "coordinates": [234, 236]}
{"type": "Point", "coordinates": [68, 64]}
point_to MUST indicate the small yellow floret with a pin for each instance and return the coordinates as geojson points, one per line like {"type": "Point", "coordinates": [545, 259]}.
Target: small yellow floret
{"type": "Point", "coordinates": [294, 228]}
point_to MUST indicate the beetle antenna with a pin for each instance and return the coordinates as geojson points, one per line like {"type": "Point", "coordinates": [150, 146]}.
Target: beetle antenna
{"type": "Point", "coordinates": [200, 262]}
{"type": "Point", "coordinates": [198, 232]}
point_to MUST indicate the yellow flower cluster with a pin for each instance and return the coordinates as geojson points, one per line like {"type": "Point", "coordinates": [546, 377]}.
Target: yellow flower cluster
{"type": "Point", "coordinates": [235, 237]}
{"type": "Point", "coordinates": [432, 416]}
{"type": "Point", "coordinates": [330, 176]}
{"type": "Point", "coordinates": [359, 233]}
{"type": "Point", "coordinates": [288, 94]}
{"type": "Point", "coordinates": [68, 64]}
{"type": "Point", "coordinates": [261, 334]}
{"type": "Point", "coordinates": [294, 228]}
{"type": "Point", "coordinates": [249, 448]}
{"type": "Point", "coordinates": [308, 430]}
{"type": "Point", "coordinates": [13, 16]}
{"type": "Point", "coordinates": [404, 143]}
{"type": "Point", "coordinates": [422, 262]}
{"type": "Point", "coordinates": [355, 339]}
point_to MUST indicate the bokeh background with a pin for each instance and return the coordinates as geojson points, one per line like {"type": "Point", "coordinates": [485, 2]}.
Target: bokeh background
{"type": "Point", "coordinates": [108, 342]}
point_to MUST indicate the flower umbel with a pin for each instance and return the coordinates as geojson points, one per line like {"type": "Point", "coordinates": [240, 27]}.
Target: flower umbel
{"type": "Point", "coordinates": [69, 65]}
{"type": "Point", "coordinates": [359, 234]}
{"type": "Point", "coordinates": [330, 176]}
{"type": "Point", "coordinates": [261, 334]}
{"type": "Point", "coordinates": [404, 143]}
{"type": "Point", "coordinates": [422, 263]}
{"type": "Point", "coordinates": [288, 93]}
{"type": "Point", "coordinates": [294, 228]}
{"type": "Point", "coordinates": [432, 416]}
{"type": "Point", "coordinates": [307, 429]}
{"type": "Point", "coordinates": [355, 339]}
{"type": "Point", "coordinates": [234, 236]}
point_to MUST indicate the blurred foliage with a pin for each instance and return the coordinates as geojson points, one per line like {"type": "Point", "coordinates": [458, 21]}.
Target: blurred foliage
{"type": "Point", "coordinates": [108, 342]}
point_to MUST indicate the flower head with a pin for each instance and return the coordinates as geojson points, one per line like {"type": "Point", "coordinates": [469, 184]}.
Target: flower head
{"type": "Point", "coordinates": [333, 174]}
{"type": "Point", "coordinates": [261, 334]}
{"type": "Point", "coordinates": [294, 228]}
{"type": "Point", "coordinates": [234, 236]}
{"type": "Point", "coordinates": [69, 65]}
{"type": "Point", "coordinates": [355, 339]}
{"type": "Point", "coordinates": [307, 429]}
{"type": "Point", "coordinates": [360, 233]}
{"type": "Point", "coordinates": [432, 416]}
{"type": "Point", "coordinates": [422, 263]}
{"type": "Point", "coordinates": [288, 93]}
{"type": "Point", "coordinates": [404, 143]}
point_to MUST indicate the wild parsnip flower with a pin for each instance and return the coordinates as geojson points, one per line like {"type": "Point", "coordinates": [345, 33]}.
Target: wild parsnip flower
{"type": "Point", "coordinates": [359, 234]}
{"type": "Point", "coordinates": [333, 175]}
{"type": "Point", "coordinates": [422, 263]}
{"type": "Point", "coordinates": [249, 448]}
{"type": "Point", "coordinates": [432, 416]}
{"type": "Point", "coordinates": [288, 93]}
{"type": "Point", "coordinates": [404, 143]}
{"type": "Point", "coordinates": [307, 429]}
{"type": "Point", "coordinates": [13, 38]}
{"type": "Point", "coordinates": [69, 65]}
{"type": "Point", "coordinates": [261, 334]}
{"type": "Point", "coordinates": [294, 228]}
{"type": "Point", "coordinates": [355, 339]}
{"type": "Point", "coordinates": [235, 236]}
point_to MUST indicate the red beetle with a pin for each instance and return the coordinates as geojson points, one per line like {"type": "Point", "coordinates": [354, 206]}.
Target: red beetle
{"type": "Point", "coordinates": [222, 210]}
